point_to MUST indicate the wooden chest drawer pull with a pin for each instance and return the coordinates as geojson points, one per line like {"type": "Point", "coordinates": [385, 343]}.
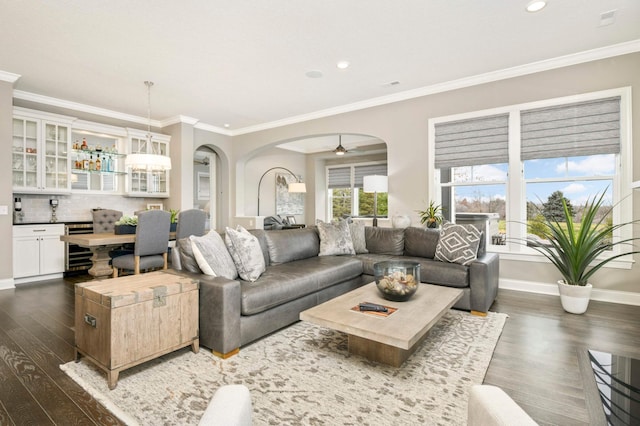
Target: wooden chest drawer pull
{"type": "Point", "coordinates": [159, 296]}
{"type": "Point", "coordinates": [91, 320]}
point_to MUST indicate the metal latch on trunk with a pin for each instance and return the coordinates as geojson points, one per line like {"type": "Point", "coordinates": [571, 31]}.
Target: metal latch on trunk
{"type": "Point", "coordinates": [159, 296]}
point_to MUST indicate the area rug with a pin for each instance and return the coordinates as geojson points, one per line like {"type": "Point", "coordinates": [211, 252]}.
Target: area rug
{"type": "Point", "coordinates": [304, 375]}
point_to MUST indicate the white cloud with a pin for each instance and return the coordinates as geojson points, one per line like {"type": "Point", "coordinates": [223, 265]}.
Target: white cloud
{"type": "Point", "coordinates": [594, 165]}
{"type": "Point", "coordinates": [489, 173]}
{"type": "Point", "coordinates": [574, 188]}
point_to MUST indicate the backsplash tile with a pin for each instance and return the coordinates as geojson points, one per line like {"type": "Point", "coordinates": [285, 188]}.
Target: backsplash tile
{"type": "Point", "coordinates": [77, 207]}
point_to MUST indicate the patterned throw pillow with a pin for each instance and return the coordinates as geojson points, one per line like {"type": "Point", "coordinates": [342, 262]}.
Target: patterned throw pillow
{"type": "Point", "coordinates": [458, 243]}
{"type": "Point", "coordinates": [335, 238]}
{"type": "Point", "coordinates": [212, 256]}
{"type": "Point", "coordinates": [356, 229]}
{"type": "Point", "coordinates": [246, 253]}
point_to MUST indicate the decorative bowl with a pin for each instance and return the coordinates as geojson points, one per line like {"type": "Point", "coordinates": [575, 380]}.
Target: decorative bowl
{"type": "Point", "coordinates": [397, 280]}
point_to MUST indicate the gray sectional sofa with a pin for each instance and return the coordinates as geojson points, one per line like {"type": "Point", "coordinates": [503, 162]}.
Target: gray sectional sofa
{"type": "Point", "coordinates": [234, 313]}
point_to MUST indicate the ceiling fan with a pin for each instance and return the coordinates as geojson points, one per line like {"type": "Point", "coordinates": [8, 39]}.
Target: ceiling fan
{"type": "Point", "coordinates": [205, 161]}
{"type": "Point", "coordinates": [340, 150]}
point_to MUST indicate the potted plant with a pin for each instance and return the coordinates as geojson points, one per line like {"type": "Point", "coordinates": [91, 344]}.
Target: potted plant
{"type": "Point", "coordinates": [174, 219]}
{"type": "Point", "coordinates": [432, 216]}
{"type": "Point", "coordinates": [578, 250]}
{"type": "Point", "coordinates": [126, 225]}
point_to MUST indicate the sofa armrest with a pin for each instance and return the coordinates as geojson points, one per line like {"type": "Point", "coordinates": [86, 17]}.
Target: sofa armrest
{"type": "Point", "coordinates": [219, 311]}
{"type": "Point", "coordinates": [230, 406]}
{"type": "Point", "coordinates": [483, 281]}
{"type": "Point", "coordinates": [490, 405]}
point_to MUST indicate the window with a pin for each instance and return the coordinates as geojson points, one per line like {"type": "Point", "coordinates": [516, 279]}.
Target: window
{"type": "Point", "coordinates": [515, 162]}
{"type": "Point", "coordinates": [345, 194]}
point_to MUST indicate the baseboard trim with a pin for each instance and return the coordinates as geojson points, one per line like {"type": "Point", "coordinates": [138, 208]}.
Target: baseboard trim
{"type": "Point", "coordinates": [612, 296]}
{"type": "Point", "coordinates": [7, 284]}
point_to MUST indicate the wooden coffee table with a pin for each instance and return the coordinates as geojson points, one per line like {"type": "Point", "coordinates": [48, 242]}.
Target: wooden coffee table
{"type": "Point", "coordinates": [387, 339]}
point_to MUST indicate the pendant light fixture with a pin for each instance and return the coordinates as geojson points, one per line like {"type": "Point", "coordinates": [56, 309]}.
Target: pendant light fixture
{"type": "Point", "coordinates": [150, 162]}
{"type": "Point", "coordinates": [340, 150]}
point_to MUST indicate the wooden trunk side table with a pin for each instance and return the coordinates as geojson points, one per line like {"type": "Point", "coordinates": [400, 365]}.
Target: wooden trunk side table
{"type": "Point", "coordinates": [123, 322]}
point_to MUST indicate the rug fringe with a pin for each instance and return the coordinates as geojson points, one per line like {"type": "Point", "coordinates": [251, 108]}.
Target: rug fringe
{"type": "Point", "coordinates": [100, 397]}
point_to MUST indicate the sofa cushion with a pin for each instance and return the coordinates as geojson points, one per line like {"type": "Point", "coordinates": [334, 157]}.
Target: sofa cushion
{"type": "Point", "coordinates": [212, 255]}
{"type": "Point", "coordinates": [384, 240]}
{"type": "Point", "coordinates": [289, 281]}
{"type": "Point", "coordinates": [431, 271]}
{"type": "Point", "coordinates": [292, 244]}
{"type": "Point", "coordinates": [356, 229]}
{"type": "Point", "coordinates": [420, 242]}
{"type": "Point", "coordinates": [335, 238]}
{"type": "Point", "coordinates": [458, 243]}
{"type": "Point", "coordinates": [187, 259]}
{"type": "Point", "coordinates": [246, 253]}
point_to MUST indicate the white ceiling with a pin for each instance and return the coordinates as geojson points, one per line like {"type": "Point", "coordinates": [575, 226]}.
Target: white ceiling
{"type": "Point", "coordinates": [244, 62]}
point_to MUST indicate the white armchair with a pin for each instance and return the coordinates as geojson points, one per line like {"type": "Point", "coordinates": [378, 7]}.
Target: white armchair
{"type": "Point", "coordinates": [491, 406]}
{"type": "Point", "coordinates": [230, 406]}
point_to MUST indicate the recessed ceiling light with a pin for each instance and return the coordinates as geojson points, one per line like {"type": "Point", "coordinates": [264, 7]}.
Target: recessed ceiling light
{"type": "Point", "coordinates": [227, 125]}
{"type": "Point", "coordinates": [536, 5]}
{"type": "Point", "coordinates": [343, 65]}
{"type": "Point", "coordinates": [314, 74]}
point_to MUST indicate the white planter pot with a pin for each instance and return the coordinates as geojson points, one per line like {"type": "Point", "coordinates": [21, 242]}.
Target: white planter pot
{"type": "Point", "coordinates": [574, 298]}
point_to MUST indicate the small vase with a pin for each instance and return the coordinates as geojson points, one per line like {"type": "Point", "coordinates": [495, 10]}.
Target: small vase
{"type": "Point", "coordinates": [574, 298]}
{"type": "Point", "coordinates": [401, 221]}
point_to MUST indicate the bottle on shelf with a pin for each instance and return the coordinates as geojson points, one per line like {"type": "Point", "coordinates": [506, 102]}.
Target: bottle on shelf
{"type": "Point", "coordinates": [85, 163]}
{"type": "Point", "coordinates": [92, 165]}
{"type": "Point", "coordinates": [98, 163]}
{"type": "Point", "coordinates": [76, 144]}
{"type": "Point", "coordinates": [84, 144]}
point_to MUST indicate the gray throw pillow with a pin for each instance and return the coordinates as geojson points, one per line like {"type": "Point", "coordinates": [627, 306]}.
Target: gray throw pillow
{"type": "Point", "coordinates": [335, 238]}
{"type": "Point", "coordinates": [458, 243]}
{"type": "Point", "coordinates": [356, 229]}
{"type": "Point", "coordinates": [246, 253]}
{"type": "Point", "coordinates": [188, 261]}
{"type": "Point", "coordinates": [212, 256]}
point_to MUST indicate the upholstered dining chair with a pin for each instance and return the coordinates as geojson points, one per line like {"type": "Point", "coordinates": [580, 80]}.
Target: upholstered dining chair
{"type": "Point", "coordinates": [190, 222]}
{"type": "Point", "coordinates": [104, 220]}
{"type": "Point", "coordinates": [151, 245]}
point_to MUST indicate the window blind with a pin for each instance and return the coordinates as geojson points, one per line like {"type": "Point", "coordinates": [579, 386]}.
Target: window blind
{"type": "Point", "coordinates": [585, 128]}
{"type": "Point", "coordinates": [471, 142]}
{"type": "Point", "coordinates": [339, 177]}
{"type": "Point", "coordinates": [371, 169]}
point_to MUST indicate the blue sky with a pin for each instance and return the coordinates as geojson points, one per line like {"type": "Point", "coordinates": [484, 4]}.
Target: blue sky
{"type": "Point", "coordinates": [552, 168]}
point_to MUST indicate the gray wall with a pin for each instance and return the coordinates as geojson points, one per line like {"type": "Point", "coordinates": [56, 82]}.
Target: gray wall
{"type": "Point", "coordinates": [403, 126]}
{"type": "Point", "coordinates": [6, 195]}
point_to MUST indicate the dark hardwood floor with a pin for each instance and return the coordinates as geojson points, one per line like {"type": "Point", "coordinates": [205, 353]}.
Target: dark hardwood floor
{"type": "Point", "coordinates": [536, 360]}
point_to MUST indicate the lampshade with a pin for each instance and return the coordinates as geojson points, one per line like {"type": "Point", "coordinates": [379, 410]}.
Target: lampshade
{"type": "Point", "coordinates": [374, 183]}
{"type": "Point", "coordinates": [148, 162]}
{"type": "Point", "coordinates": [635, 185]}
{"type": "Point", "coordinates": [297, 187]}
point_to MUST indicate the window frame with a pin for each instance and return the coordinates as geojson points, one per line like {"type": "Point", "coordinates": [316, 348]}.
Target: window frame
{"type": "Point", "coordinates": [516, 183]}
{"type": "Point", "coordinates": [354, 191]}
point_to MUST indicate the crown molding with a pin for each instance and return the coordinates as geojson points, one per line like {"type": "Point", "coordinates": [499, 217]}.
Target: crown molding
{"type": "Point", "coordinates": [535, 67]}
{"type": "Point", "coordinates": [9, 77]}
{"type": "Point", "coordinates": [76, 106]}
{"type": "Point", "coordinates": [179, 119]}
{"type": "Point", "coordinates": [532, 68]}
{"type": "Point", "coordinates": [213, 129]}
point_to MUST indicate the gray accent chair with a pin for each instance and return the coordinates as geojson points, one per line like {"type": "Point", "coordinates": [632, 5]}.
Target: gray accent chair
{"type": "Point", "coordinates": [151, 246]}
{"type": "Point", "coordinates": [190, 222]}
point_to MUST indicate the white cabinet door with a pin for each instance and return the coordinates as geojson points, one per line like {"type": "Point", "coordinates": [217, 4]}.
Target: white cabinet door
{"type": "Point", "coordinates": [51, 255]}
{"type": "Point", "coordinates": [26, 256]}
{"type": "Point", "coordinates": [37, 250]}
{"type": "Point", "coordinates": [40, 152]}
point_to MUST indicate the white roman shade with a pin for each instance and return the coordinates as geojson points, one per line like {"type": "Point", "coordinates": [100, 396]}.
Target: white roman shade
{"type": "Point", "coordinates": [339, 177]}
{"type": "Point", "coordinates": [471, 142]}
{"type": "Point", "coordinates": [371, 169]}
{"type": "Point", "coordinates": [584, 128]}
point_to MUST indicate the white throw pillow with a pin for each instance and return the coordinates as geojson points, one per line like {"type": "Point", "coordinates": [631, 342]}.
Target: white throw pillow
{"type": "Point", "coordinates": [245, 250]}
{"type": "Point", "coordinates": [212, 256]}
{"type": "Point", "coordinates": [458, 243]}
{"type": "Point", "coordinates": [335, 238]}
